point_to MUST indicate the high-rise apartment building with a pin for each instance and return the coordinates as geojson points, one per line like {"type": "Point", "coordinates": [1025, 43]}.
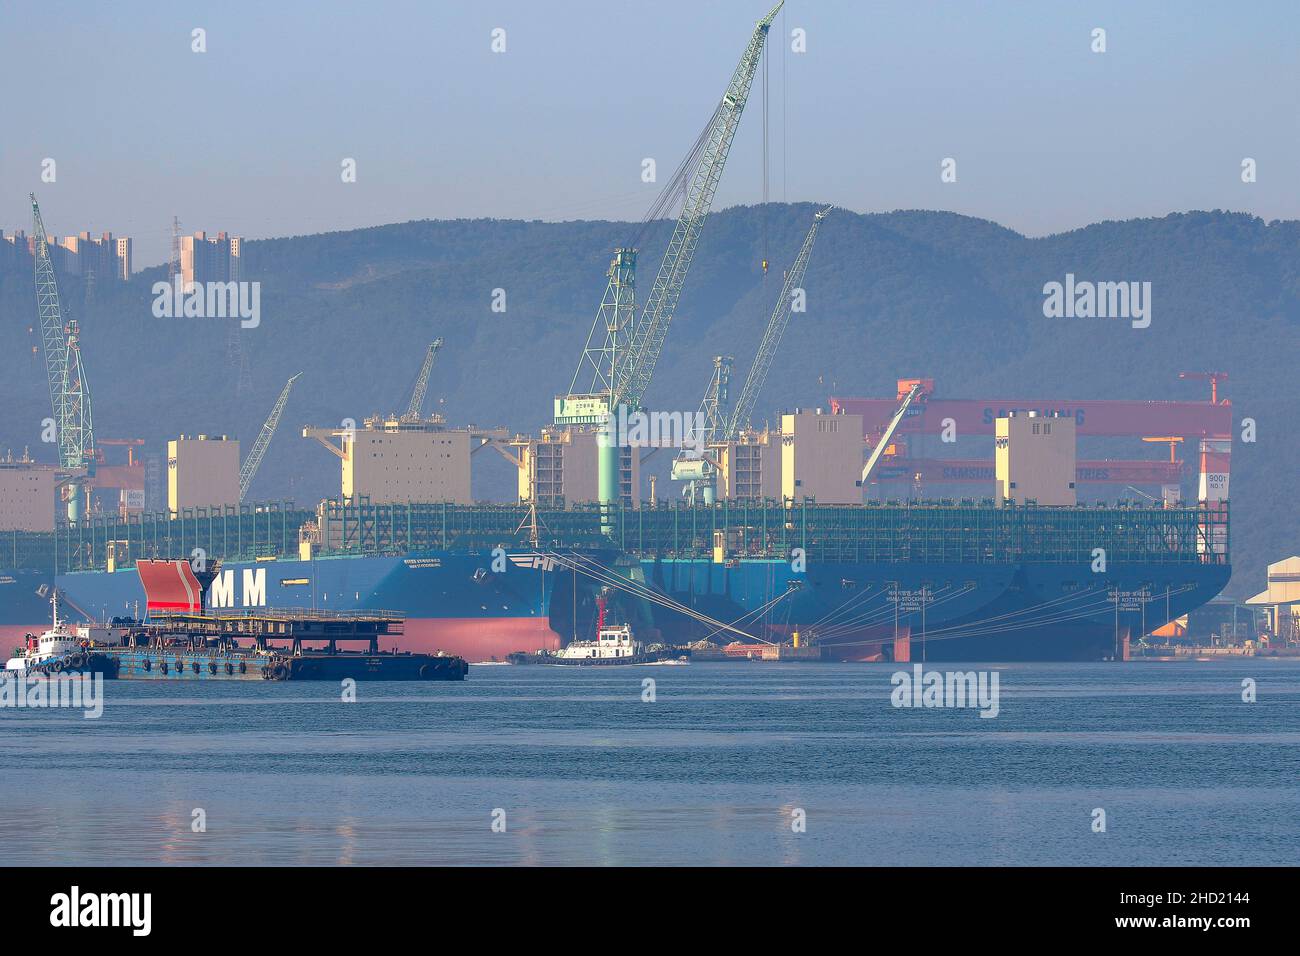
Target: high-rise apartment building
{"type": "Point", "coordinates": [207, 258]}
{"type": "Point", "coordinates": [107, 258]}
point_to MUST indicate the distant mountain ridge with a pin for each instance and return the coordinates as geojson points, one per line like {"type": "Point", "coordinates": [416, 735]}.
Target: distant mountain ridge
{"type": "Point", "coordinates": [893, 295]}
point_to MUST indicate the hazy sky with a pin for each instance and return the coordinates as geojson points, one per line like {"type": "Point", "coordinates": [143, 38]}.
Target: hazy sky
{"type": "Point", "coordinates": [249, 136]}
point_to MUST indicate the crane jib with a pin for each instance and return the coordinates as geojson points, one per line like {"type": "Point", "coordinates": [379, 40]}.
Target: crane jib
{"type": "Point", "coordinates": [66, 377]}
{"type": "Point", "coordinates": [744, 410]}
{"type": "Point", "coordinates": [636, 367]}
{"type": "Point", "coordinates": [249, 468]}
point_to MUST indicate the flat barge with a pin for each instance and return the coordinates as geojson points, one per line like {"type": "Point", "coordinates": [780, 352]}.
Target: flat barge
{"type": "Point", "coordinates": [267, 645]}
{"type": "Point", "coordinates": [182, 640]}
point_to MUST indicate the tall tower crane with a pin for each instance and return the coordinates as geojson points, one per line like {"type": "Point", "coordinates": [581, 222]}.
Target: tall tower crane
{"type": "Point", "coordinates": [69, 391]}
{"type": "Point", "coordinates": [636, 365]}
{"type": "Point", "coordinates": [412, 413]}
{"type": "Point", "coordinates": [593, 382]}
{"type": "Point", "coordinates": [719, 426]}
{"type": "Point", "coordinates": [757, 377]}
{"type": "Point", "coordinates": [621, 352]}
{"type": "Point", "coordinates": [254, 460]}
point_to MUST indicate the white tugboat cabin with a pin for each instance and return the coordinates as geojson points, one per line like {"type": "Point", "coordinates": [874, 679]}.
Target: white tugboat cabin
{"type": "Point", "coordinates": [614, 644]}
{"type": "Point", "coordinates": [58, 641]}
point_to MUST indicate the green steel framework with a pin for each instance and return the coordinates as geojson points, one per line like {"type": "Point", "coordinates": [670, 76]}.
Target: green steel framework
{"type": "Point", "coordinates": [610, 331]}
{"type": "Point", "coordinates": [365, 528]}
{"type": "Point", "coordinates": [940, 532]}
{"type": "Point", "coordinates": [21, 550]}
{"type": "Point", "coordinates": [246, 532]}
{"type": "Point", "coordinates": [925, 533]}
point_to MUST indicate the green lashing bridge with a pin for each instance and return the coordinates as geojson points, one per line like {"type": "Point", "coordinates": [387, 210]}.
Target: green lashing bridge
{"type": "Point", "coordinates": [942, 531]}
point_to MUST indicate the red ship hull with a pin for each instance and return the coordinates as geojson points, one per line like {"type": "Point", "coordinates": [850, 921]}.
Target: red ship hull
{"type": "Point", "coordinates": [476, 639]}
{"type": "Point", "coordinates": [12, 635]}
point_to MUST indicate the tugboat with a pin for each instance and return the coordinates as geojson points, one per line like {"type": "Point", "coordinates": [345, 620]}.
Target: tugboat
{"type": "Point", "coordinates": [57, 650]}
{"type": "Point", "coordinates": [614, 644]}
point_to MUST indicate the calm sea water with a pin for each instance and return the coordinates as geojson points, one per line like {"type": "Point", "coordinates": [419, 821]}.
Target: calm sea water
{"type": "Point", "coordinates": [711, 772]}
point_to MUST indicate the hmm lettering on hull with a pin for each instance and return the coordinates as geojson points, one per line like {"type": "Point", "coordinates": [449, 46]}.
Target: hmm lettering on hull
{"type": "Point", "coordinates": [538, 562]}
{"type": "Point", "coordinates": [221, 593]}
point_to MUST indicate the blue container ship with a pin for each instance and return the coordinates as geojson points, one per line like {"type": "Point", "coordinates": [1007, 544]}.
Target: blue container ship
{"type": "Point", "coordinates": [941, 581]}
{"type": "Point", "coordinates": [453, 602]}
{"type": "Point", "coordinates": [860, 611]}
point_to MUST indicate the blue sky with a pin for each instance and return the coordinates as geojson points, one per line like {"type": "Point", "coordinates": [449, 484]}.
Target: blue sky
{"type": "Point", "coordinates": [249, 136]}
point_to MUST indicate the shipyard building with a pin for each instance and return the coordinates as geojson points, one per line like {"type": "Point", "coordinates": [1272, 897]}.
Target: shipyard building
{"type": "Point", "coordinates": [1280, 601]}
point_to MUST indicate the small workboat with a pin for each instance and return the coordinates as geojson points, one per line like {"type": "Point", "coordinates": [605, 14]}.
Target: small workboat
{"type": "Point", "coordinates": [57, 650]}
{"type": "Point", "coordinates": [614, 644]}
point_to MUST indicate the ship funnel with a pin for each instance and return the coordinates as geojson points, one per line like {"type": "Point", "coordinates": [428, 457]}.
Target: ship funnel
{"type": "Point", "coordinates": [174, 587]}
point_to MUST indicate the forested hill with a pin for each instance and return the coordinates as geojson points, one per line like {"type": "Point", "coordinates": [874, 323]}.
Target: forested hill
{"type": "Point", "coordinates": [902, 294]}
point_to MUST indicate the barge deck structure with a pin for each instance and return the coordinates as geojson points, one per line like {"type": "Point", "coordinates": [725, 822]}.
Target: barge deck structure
{"type": "Point", "coordinates": [251, 646]}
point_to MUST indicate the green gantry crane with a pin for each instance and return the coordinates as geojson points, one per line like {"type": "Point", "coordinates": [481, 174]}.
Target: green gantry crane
{"type": "Point", "coordinates": [701, 471]}
{"type": "Point", "coordinates": [621, 353]}
{"type": "Point", "coordinates": [637, 364]}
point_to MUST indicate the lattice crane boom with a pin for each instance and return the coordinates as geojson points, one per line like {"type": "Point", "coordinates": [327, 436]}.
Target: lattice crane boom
{"type": "Point", "coordinates": [254, 460]}
{"type": "Point", "coordinates": [870, 467]}
{"type": "Point", "coordinates": [69, 391]}
{"type": "Point", "coordinates": [637, 363]}
{"type": "Point", "coordinates": [611, 329]}
{"type": "Point", "coordinates": [776, 326]}
{"type": "Point", "coordinates": [421, 383]}
{"type": "Point", "coordinates": [713, 409]}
